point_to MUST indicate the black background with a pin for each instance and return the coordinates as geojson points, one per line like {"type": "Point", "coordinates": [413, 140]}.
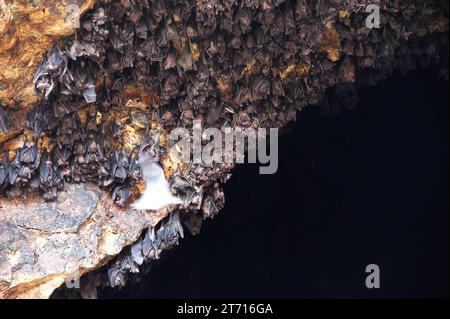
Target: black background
{"type": "Point", "coordinates": [369, 185]}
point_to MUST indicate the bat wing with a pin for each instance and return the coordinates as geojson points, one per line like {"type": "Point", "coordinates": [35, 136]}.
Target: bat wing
{"type": "Point", "coordinates": [157, 194]}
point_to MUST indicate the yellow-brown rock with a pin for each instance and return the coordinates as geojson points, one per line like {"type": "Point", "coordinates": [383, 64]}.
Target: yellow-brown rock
{"type": "Point", "coordinates": [27, 30]}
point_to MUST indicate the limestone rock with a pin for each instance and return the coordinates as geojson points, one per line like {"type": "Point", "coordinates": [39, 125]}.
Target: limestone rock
{"type": "Point", "coordinates": [43, 244]}
{"type": "Point", "coordinates": [27, 30]}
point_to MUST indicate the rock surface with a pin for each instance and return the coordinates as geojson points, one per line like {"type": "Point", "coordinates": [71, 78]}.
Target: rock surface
{"type": "Point", "coordinates": [44, 244]}
{"type": "Point", "coordinates": [27, 30]}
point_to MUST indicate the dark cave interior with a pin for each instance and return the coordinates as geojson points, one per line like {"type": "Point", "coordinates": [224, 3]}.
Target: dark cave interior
{"type": "Point", "coordinates": [368, 185]}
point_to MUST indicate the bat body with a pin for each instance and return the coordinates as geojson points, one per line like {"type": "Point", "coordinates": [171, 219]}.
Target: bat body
{"type": "Point", "coordinates": [157, 194]}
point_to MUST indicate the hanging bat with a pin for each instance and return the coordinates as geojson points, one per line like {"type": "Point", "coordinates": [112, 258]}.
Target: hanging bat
{"type": "Point", "coordinates": [6, 123]}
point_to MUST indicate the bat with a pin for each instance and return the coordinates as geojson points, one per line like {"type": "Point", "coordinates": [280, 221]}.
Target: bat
{"type": "Point", "coordinates": [6, 123]}
{"type": "Point", "coordinates": [157, 194]}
